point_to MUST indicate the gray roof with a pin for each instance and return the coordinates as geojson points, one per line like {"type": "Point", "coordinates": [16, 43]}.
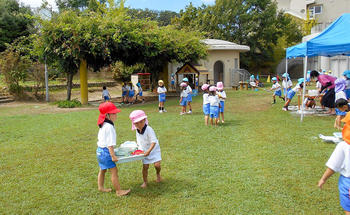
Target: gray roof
{"type": "Point", "coordinates": [224, 45]}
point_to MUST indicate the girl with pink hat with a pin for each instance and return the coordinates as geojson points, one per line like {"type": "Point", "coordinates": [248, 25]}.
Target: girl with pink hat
{"type": "Point", "coordinates": [206, 103]}
{"type": "Point", "coordinates": [183, 97]}
{"type": "Point", "coordinates": [148, 142]}
{"type": "Point", "coordinates": [107, 139]}
{"type": "Point", "coordinates": [214, 105]}
{"type": "Point", "coordinates": [222, 97]}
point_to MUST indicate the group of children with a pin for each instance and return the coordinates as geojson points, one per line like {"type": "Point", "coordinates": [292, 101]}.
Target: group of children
{"type": "Point", "coordinates": [213, 103]}
{"type": "Point", "coordinates": [128, 93]}
{"type": "Point", "coordinates": [107, 138]}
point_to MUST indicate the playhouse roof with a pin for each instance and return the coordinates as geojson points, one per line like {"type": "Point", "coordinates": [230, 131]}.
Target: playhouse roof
{"type": "Point", "coordinates": [224, 45]}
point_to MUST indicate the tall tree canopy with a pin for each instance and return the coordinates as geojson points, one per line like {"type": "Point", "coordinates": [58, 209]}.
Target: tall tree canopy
{"type": "Point", "coordinates": [255, 23]}
{"type": "Point", "coordinates": [15, 21]}
{"type": "Point", "coordinates": [162, 17]}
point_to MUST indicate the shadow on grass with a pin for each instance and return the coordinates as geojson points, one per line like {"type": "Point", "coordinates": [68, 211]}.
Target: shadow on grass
{"type": "Point", "coordinates": [231, 123]}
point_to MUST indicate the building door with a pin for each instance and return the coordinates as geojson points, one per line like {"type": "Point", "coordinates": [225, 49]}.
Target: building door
{"type": "Point", "coordinates": [218, 72]}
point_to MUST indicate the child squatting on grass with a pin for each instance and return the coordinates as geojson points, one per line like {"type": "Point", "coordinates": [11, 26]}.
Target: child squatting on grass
{"type": "Point", "coordinates": [340, 162]}
{"type": "Point", "coordinates": [107, 139]}
{"type": "Point", "coordinates": [147, 140]}
{"type": "Point", "coordinates": [340, 110]}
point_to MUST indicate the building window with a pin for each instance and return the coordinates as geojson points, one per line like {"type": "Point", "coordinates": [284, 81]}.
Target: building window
{"type": "Point", "coordinates": [315, 10]}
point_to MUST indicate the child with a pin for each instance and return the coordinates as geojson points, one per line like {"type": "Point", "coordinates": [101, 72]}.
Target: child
{"type": "Point", "coordinates": [292, 93]}
{"type": "Point", "coordinates": [222, 97]}
{"type": "Point", "coordinates": [107, 139]}
{"type": "Point", "coordinates": [189, 95]}
{"type": "Point", "coordinates": [340, 110]}
{"type": "Point", "coordinates": [276, 87]}
{"type": "Point", "coordinates": [340, 162]}
{"type": "Point", "coordinates": [346, 74]}
{"type": "Point", "coordinates": [308, 77]}
{"type": "Point", "coordinates": [124, 93]}
{"type": "Point", "coordinates": [206, 103]}
{"type": "Point", "coordinates": [286, 84]}
{"type": "Point", "coordinates": [252, 82]}
{"type": "Point", "coordinates": [310, 102]}
{"type": "Point", "coordinates": [140, 92]}
{"type": "Point", "coordinates": [183, 97]}
{"type": "Point", "coordinates": [131, 93]}
{"type": "Point", "coordinates": [197, 81]}
{"type": "Point", "coordinates": [161, 92]}
{"type": "Point", "coordinates": [147, 140]}
{"type": "Point", "coordinates": [105, 94]}
{"type": "Point", "coordinates": [214, 105]}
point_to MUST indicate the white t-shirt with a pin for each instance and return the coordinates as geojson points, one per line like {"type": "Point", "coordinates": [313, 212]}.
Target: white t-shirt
{"type": "Point", "coordinates": [214, 100]}
{"type": "Point", "coordinates": [188, 90]}
{"type": "Point", "coordinates": [105, 93]}
{"type": "Point", "coordinates": [276, 87]}
{"type": "Point", "coordinates": [161, 90]}
{"type": "Point", "coordinates": [184, 93]}
{"type": "Point", "coordinates": [340, 95]}
{"type": "Point", "coordinates": [107, 136]}
{"type": "Point", "coordinates": [145, 140]}
{"type": "Point", "coordinates": [287, 84]}
{"type": "Point", "coordinates": [296, 88]}
{"type": "Point", "coordinates": [222, 94]}
{"type": "Point", "coordinates": [205, 98]}
{"type": "Point", "coordinates": [340, 159]}
{"type": "Point", "coordinates": [125, 88]}
{"type": "Point", "coordinates": [318, 85]}
{"type": "Point", "coordinates": [139, 89]}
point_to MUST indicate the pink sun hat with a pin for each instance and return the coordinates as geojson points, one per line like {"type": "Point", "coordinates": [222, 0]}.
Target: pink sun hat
{"type": "Point", "coordinates": [219, 86]}
{"type": "Point", "coordinates": [137, 116]}
{"type": "Point", "coordinates": [205, 86]}
{"type": "Point", "coordinates": [212, 88]}
{"type": "Point", "coordinates": [183, 84]}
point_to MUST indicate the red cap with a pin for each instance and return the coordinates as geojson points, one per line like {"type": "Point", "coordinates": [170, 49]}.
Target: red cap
{"type": "Point", "coordinates": [105, 108]}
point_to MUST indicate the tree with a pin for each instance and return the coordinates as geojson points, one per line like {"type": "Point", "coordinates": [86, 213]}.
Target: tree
{"type": "Point", "coordinates": [162, 17]}
{"type": "Point", "coordinates": [255, 23]}
{"type": "Point", "coordinates": [15, 21]}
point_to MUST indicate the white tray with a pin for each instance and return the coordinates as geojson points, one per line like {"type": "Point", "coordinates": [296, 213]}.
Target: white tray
{"type": "Point", "coordinates": [130, 158]}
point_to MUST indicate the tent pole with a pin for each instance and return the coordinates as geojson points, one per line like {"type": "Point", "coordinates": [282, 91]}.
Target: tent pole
{"type": "Point", "coordinates": [304, 89]}
{"type": "Point", "coordinates": [287, 65]}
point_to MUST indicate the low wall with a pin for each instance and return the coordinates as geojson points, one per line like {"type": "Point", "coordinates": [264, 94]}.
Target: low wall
{"type": "Point", "coordinates": [64, 86]}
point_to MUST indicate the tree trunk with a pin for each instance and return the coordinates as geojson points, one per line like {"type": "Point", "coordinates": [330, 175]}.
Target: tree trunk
{"type": "Point", "coordinates": [69, 85]}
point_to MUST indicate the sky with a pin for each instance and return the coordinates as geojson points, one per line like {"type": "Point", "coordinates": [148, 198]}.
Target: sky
{"type": "Point", "coordinates": [173, 5]}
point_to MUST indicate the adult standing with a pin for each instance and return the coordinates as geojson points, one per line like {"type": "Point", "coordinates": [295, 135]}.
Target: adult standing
{"type": "Point", "coordinates": [327, 83]}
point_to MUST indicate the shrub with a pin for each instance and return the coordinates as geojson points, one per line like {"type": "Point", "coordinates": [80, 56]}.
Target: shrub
{"type": "Point", "coordinates": [69, 104]}
{"type": "Point", "coordinates": [123, 72]}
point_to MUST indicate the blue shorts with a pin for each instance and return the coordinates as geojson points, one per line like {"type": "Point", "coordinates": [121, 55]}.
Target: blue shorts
{"type": "Point", "coordinates": [104, 158]}
{"type": "Point", "coordinates": [189, 97]}
{"type": "Point", "coordinates": [131, 94]}
{"type": "Point", "coordinates": [184, 101]}
{"type": "Point", "coordinates": [140, 93]}
{"type": "Point", "coordinates": [172, 82]}
{"type": "Point", "coordinates": [286, 91]}
{"type": "Point", "coordinates": [344, 189]}
{"type": "Point", "coordinates": [308, 79]}
{"type": "Point", "coordinates": [124, 93]}
{"type": "Point", "coordinates": [162, 97]}
{"type": "Point", "coordinates": [339, 113]}
{"type": "Point", "coordinates": [106, 98]}
{"type": "Point", "coordinates": [206, 109]}
{"type": "Point", "coordinates": [290, 95]}
{"type": "Point", "coordinates": [222, 106]}
{"type": "Point", "coordinates": [214, 111]}
{"type": "Point", "coordinates": [278, 93]}
{"type": "Point", "coordinates": [347, 92]}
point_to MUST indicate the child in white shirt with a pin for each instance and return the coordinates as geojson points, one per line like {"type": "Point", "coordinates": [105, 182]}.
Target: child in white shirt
{"type": "Point", "coordinates": [276, 88]}
{"type": "Point", "coordinates": [286, 84]}
{"type": "Point", "coordinates": [125, 89]}
{"type": "Point", "coordinates": [214, 105]}
{"type": "Point", "coordinates": [147, 140]}
{"type": "Point", "coordinates": [139, 92]}
{"type": "Point", "coordinates": [107, 139]}
{"type": "Point", "coordinates": [183, 97]}
{"type": "Point", "coordinates": [340, 162]}
{"type": "Point", "coordinates": [292, 93]}
{"type": "Point", "coordinates": [161, 95]}
{"type": "Point", "coordinates": [222, 97]}
{"type": "Point", "coordinates": [189, 95]}
{"type": "Point", "coordinates": [105, 94]}
{"type": "Point", "coordinates": [206, 103]}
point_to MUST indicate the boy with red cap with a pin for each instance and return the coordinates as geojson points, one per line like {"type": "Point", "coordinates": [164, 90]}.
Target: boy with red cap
{"type": "Point", "coordinates": [148, 142]}
{"type": "Point", "coordinates": [107, 139]}
{"type": "Point", "coordinates": [340, 162]}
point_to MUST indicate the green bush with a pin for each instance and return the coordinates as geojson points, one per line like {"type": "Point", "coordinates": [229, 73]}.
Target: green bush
{"type": "Point", "coordinates": [69, 104]}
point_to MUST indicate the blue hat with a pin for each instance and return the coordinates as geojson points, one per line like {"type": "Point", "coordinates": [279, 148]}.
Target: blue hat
{"type": "Point", "coordinates": [308, 72]}
{"type": "Point", "coordinates": [252, 76]}
{"type": "Point", "coordinates": [285, 75]}
{"type": "Point", "coordinates": [347, 73]}
{"type": "Point", "coordinates": [185, 79]}
{"type": "Point", "coordinates": [300, 80]}
{"type": "Point", "coordinates": [274, 79]}
{"type": "Point", "coordinates": [138, 84]}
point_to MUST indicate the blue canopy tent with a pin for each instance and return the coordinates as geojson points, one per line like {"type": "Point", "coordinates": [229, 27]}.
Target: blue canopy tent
{"type": "Point", "coordinates": [334, 40]}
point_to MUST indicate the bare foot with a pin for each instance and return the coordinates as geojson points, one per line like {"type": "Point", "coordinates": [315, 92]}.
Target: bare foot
{"type": "Point", "coordinates": [104, 190]}
{"type": "Point", "coordinates": [159, 179]}
{"type": "Point", "coordinates": [144, 185]}
{"type": "Point", "coordinates": [122, 192]}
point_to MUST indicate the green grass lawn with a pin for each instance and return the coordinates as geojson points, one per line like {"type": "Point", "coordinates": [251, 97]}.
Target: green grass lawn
{"type": "Point", "coordinates": [261, 161]}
